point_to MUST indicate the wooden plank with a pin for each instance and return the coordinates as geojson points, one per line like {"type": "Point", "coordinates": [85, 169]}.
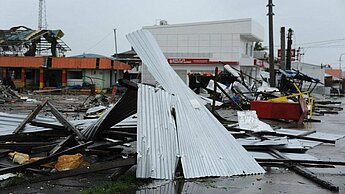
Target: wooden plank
{"type": "Point", "coordinates": [299, 169]}
{"type": "Point", "coordinates": [119, 134]}
{"type": "Point", "coordinates": [91, 169]}
{"type": "Point", "coordinates": [64, 122]}
{"type": "Point", "coordinates": [29, 118]}
{"type": "Point", "coordinates": [340, 163]}
{"type": "Point", "coordinates": [116, 175]}
{"type": "Point", "coordinates": [61, 144]}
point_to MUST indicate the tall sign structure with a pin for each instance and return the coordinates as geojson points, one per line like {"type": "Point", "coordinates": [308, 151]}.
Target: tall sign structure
{"type": "Point", "coordinates": [42, 19]}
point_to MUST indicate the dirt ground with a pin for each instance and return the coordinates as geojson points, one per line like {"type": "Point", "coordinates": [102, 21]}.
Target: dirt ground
{"type": "Point", "coordinates": [276, 180]}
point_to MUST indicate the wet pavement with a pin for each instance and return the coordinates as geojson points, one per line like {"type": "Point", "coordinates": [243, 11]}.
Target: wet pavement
{"type": "Point", "coordinates": [277, 180]}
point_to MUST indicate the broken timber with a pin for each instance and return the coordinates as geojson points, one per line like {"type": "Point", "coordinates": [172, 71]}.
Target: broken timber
{"type": "Point", "coordinates": [299, 169]}
{"type": "Point", "coordinates": [64, 122]}
{"type": "Point", "coordinates": [92, 168]}
{"type": "Point", "coordinates": [44, 160]}
{"type": "Point", "coordinates": [30, 117]}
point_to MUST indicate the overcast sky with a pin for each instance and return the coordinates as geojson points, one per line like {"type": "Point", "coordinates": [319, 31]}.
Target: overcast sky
{"type": "Point", "coordinates": [88, 24]}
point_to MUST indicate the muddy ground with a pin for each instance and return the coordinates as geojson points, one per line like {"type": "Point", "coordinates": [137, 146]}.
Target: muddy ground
{"type": "Point", "coordinates": [276, 180]}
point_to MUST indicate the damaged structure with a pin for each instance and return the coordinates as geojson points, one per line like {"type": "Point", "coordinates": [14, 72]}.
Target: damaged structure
{"type": "Point", "coordinates": [202, 144]}
{"type": "Point", "coordinates": [175, 132]}
{"type": "Point", "coordinates": [35, 59]}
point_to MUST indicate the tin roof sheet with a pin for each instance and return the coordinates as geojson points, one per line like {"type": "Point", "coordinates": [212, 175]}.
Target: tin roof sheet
{"type": "Point", "coordinates": [206, 148]}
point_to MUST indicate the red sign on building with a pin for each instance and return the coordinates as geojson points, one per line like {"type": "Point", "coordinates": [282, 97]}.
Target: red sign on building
{"type": "Point", "coordinates": [188, 61]}
{"type": "Point", "coordinates": [198, 61]}
{"type": "Point", "coordinates": [293, 54]}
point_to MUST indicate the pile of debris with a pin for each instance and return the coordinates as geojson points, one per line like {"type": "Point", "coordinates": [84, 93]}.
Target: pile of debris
{"type": "Point", "coordinates": [8, 95]}
{"type": "Point", "coordinates": [55, 147]}
{"type": "Point", "coordinates": [175, 134]}
{"type": "Point", "coordinates": [178, 113]}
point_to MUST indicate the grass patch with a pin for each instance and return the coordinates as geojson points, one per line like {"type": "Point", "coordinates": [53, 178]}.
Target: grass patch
{"type": "Point", "coordinates": [126, 184]}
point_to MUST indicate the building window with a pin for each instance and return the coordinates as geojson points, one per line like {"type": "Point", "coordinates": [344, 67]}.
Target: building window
{"type": "Point", "coordinates": [249, 49]}
{"type": "Point", "coordinates": [14, 73]}
{"type": "Point", "coordinates": [74, 75]}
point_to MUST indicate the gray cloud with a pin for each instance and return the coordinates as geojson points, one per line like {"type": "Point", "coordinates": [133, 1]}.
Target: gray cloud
{"type": "Point", "coordinates": [86, 22]}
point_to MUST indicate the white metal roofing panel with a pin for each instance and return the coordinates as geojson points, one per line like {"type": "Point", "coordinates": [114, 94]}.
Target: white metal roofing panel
{"type": "Point", "coordinates": [156, 136]}
{"type": "Point", "coordinates": [9, 122]}
{"type": "Point", "coordinates": [206, 147]}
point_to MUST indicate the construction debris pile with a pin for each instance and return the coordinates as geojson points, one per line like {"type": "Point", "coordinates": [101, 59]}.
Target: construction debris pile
{"type": "Point", "coordinates": [175, 133]}
{"type": "Point", "coordinates": [8, 95]}
{"type": "Point", "coordinates": [49, 146]}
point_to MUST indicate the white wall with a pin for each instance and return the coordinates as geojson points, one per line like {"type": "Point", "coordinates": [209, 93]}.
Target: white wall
{"type": "Point", "coordinates": [217, 41]}
{"type": "Point", "coordinates": [101, 78]}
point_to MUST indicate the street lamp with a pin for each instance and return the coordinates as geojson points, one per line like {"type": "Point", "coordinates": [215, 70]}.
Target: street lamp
{"type": "Point", "coordinates": [341, 71]}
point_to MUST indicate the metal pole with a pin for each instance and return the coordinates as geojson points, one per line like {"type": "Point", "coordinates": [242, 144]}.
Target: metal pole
{"type": "Point", "coordinates": [117, 71]}
{"type": "Point", "coordinates": [341, 72]}
{"type": "Point", "coordinates": [341, 55]}
{"type": "Point", "coordinates": [271, 43]}
{"type": "Point", "coordinates": [215, 90]}
{"type": "Point", "coordinates": [288, 54]}
{"type": "Point", "coordinates": [282, 48]}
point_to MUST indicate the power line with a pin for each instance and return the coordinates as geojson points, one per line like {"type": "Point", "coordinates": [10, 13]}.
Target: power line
{"type": "Point", "coordinates": [317, 43]}
{"type": "Point", "coordinates": [106, 36]}
{"type": "Point", "coordinates": [326, 46]}
{"type": "Point", "coordinates": [323, 41]}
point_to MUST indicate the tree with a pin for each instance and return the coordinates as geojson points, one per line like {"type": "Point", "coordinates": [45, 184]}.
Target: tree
{"type": "Point", "coordinates": [258, 46]}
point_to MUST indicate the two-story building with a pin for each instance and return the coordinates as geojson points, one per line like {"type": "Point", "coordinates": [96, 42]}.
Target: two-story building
{"type": "Point", "coordinates": [202, 46]}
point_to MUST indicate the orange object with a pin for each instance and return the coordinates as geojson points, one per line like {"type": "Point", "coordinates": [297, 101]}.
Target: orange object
{"type": "Point", "coordinates": [21, 61]}
{"type": "Point", "coordinates": [61, 62]}
{"type": "Point", "coordinates": [69, 162]}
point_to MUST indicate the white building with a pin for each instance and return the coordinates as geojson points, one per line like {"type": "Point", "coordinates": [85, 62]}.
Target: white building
{"type": "Point", "coordinates": [202, 46]}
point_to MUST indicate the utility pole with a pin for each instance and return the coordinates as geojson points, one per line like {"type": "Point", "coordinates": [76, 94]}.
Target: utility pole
{"type": "Point", "coordinates": [42, 22]}
{"type": "Point", "coordinates": [115, 39]}
{"type": "Point", "coordinates": [271, 43]}
{"type": "Point", "coordinates": [42, 19]}
{"type": "Point", "coordinates": [282, 48]}
{"type": "Point", "coordinates": [288, 54]}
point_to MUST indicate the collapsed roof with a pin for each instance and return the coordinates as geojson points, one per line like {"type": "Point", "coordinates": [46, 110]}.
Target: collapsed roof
{"type": "Point", "coordinates": [21, 40]}
{"type": "Point", "coordinates": [200, 142]}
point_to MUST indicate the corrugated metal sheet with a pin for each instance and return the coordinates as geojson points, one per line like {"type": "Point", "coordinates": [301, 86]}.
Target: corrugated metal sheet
{"type": "Point", "coordinates": [206, 148]}
{"type": "Point", "coordinates": [157, 137]}
{"type": "Point", "coordinates": [9, 122]}
{"type": "Point", "coordinates": [160, 187]}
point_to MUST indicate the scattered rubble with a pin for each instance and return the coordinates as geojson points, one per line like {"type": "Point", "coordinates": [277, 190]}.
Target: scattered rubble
{"type": "Point", "coordinates": [175, 133]}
